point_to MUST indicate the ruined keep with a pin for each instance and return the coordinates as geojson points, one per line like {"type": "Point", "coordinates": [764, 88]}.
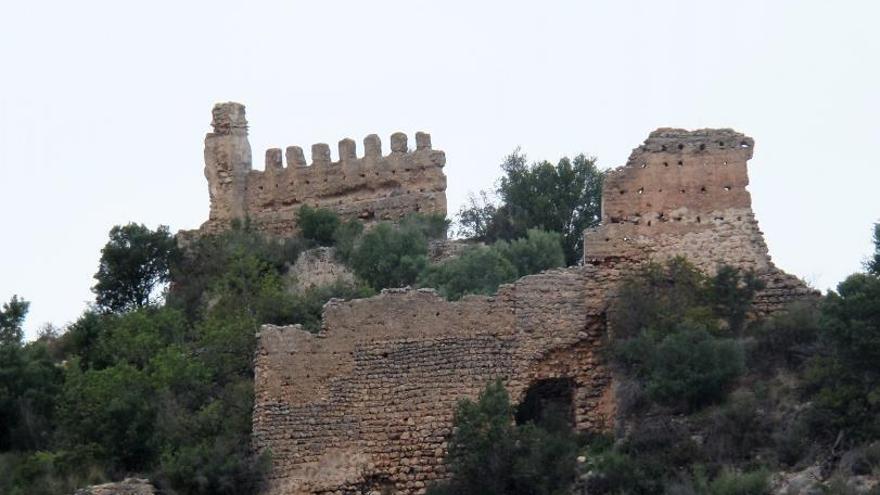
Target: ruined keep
{"type": "Point", "coordinates": [366, 405]}
{"type": "Point", "coordinates": [372, 188]}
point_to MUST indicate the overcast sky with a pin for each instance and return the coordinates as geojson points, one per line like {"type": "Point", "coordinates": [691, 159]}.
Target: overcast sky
{"type": "Point", "coordinates": [104, 106]}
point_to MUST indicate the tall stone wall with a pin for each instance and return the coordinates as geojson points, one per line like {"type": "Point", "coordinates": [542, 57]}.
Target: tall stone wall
{"type": "Point", "coordinates": [373, 187]}
{"type": "Point", "coordinates": [366, 405]}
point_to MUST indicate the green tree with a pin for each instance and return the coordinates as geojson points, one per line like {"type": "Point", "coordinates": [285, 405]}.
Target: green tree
{"type": "Point", "coordinates": [478, 270]}
{"type": "Point", "coordinates": [490, 455]}
{"type": "Point", "coordinates": [134, 264]}
{"type": "Point", "coordinates": [29, 383]}
{"type": "Point", "coordinates": [564, 198]}
{"type": "Point", "coordinates": [481, 269]}
{"type": "Point", "coordinates": [11, 321]}
{"type": "Point", "coordinates": [845, 378]}
{"type": "Point", "coordinates": [110, 411]}
{"type": "Point", "coordinates": [318, 224]}
{"type": "Point", "coordinates": [873, 264]}
{"type": "Point", "coordinates": [537, 251]}
{"type": "Point", "coordinates": [674, 327]}
{"type": "Point", "coordinates": [389, 256]}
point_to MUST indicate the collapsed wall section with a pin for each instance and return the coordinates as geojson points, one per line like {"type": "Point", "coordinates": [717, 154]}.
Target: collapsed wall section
{"type": "Point", "coordinates": [371, 188]}
{"type": "Point", "coordinates": [367, 404]}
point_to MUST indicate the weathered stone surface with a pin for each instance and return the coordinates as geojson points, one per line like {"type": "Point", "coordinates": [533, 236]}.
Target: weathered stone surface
{"type": "Point", "coordinates": [683, 193]}
{"type": "Point", "coordinates": [371, 397]}
{"type": "Point", "coordinates": [317, 267]}
{"type": "Point", "coordinates": [366, 405]}
{"type": "Point", "coordinates": [129, 486]}
{"type": "Point", "coordinates": [371, 188]}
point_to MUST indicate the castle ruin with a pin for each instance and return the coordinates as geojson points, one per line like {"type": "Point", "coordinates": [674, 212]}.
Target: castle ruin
{"type": "Point", "coordinates": [372, 188]}
{"type": "Point", "coordinates": [366, 405]}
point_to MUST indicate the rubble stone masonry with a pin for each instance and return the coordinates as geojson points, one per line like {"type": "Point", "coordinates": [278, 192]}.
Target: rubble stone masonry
{"type": "Point", "coordinates": [373, 187]}
{"type": "Point", "coordinates": [366, 405]}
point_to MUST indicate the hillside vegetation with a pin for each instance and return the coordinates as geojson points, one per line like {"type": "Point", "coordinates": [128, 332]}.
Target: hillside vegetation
{"type": "Point", "coordinates": [156, 377]}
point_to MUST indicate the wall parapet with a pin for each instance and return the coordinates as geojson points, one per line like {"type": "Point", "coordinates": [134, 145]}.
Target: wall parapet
{"type": "Point", "coordinates": [371, 187]}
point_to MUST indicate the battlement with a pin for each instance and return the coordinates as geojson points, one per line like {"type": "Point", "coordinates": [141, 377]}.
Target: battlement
{"type": "Point", "coordinates": [372, 187]}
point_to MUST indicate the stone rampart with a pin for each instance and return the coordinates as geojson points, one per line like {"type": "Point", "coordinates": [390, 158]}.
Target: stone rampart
{"type": "Point", "coordinates": [373, 187]}
{"type": "Point", "coordinates": [366, 405]}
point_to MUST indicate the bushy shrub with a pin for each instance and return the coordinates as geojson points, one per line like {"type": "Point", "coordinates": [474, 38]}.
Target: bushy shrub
{"type": "Point", "coordinates": [317, 224]}
{"type": "Point", "coordinates": [478, 270]}
{"type": "Point", "coordinates": [210, 258]}
{"type": "Point", "coordinates": [785, 339]}
{"type": "Point", "coordinates": [345, 237]}
{"type": "Point", "coordinates": [691, 368]}
{"type": "Point", "coordinates": [734, 483]}
{"type": "Point", "coordinates": [537, 251]}
{"type": "Point", "coordinates": [481, 269]}
{"type": "Point", "coordinates": [432, 226]}
{"type": "Point", "coordinates": [673, 330]}
{"type": "Point", "coordinates": [844, 380]}
{"type": "Point", "coordinates": [490, 455]}
{"type": "Point", "coordinates": [738, 429]}
{"type": "Point", "coordinates": [389, 256]}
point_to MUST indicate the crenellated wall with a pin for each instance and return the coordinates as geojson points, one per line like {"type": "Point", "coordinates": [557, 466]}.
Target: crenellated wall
{"type": "Point", "coordinates": [372, 187]}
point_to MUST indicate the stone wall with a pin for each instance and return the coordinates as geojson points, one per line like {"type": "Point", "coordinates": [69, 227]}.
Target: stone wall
{"type": "Point", "coordinates": [368, 402]}
{"type": "Point", "coordinates": [366, 405]}
{"type": "Point", "coordinates": [373, 187]}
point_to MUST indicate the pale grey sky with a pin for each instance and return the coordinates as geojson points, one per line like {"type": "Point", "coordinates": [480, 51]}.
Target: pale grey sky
{"type": "Point", "coordinates": [104, 105]}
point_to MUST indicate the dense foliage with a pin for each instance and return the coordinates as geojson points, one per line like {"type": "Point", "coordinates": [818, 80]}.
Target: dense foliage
{"type": "Point", "coordinates": [165, 390]}
{"type": "Point", "coordinates": [563, 198]}
{"type": "Point", "coordinates": [481, 269]}
{"type": "Point", "coordinates": [710, 398]}
{"type": "Point", "coordinates": [134, 264]}
{"type": "Point", "coordinates": [674, 330]}
{"type": "Point", "coordinates": [490, 455]}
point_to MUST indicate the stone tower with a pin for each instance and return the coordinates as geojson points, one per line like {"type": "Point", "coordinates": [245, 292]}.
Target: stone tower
{"type": "Point", "coordinates": [227, 162]}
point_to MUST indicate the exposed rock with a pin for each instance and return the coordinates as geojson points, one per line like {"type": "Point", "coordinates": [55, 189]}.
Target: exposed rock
{"type": "Point", "coordinates": [128, 486]}
{"type": "Point", "coordinates": [317, 267]}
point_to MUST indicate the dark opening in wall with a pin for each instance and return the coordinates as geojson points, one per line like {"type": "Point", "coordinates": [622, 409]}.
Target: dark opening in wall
{"type": "Point", "coordinates": [550, 399]}
{"type": "Point", "coordinates": [680, 163]}
{"type": "Point", "coordinates": [702, 146]}
{"type": "Point", "coordinates": [681, 146]}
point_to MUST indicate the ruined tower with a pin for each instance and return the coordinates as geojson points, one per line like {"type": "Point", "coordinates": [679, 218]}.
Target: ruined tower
{"type": "Point", "coordinates": [371, 188]}
{"type": "Point", "coordinates": [227, 163]}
